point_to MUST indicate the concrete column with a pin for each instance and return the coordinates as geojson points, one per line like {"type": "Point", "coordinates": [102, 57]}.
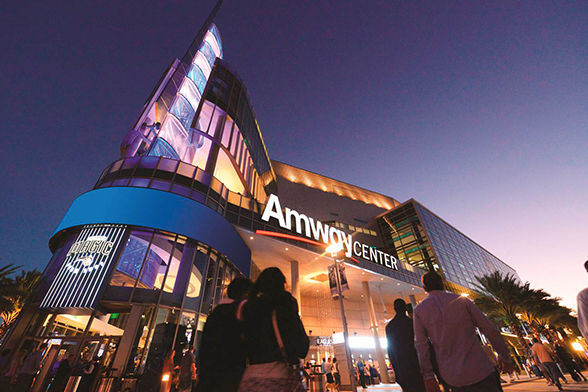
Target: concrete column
{"type": "Point", "coordinates": [295, 282]}
{"type": "Point", "coordinates": [127, 339]}
{"type": "Point", "coordinates": [413, 301]}
{"type": "Point", "coordinates": [367, 296]}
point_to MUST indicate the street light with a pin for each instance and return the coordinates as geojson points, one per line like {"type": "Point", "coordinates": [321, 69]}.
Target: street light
{"type": "Point", "coordinates": [334, 250]}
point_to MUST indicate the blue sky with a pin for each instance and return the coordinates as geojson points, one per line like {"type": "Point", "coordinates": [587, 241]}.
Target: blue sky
{"type": "Point", "coordinates": [476, 110]}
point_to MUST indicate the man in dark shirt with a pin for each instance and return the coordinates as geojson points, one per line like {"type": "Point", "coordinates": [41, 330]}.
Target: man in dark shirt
{"type": "Point", "coordinates": [569, 363]}
{"type": "Point", "coordinates": [401, 351]}
{"type": "Point", "coordinates": [222, 358]}
{"type": "Point", "coordinates": [187, 370]}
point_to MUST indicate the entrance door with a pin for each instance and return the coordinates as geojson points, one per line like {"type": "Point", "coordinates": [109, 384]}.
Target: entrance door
{"type": "Point", "coordinates": [59, 350]}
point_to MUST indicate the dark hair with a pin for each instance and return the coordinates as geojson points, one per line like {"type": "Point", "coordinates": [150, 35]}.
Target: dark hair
{"type": "Point", "coordinates": [400, 306]}
{"type": "Point", "coordinates": [535, 340]}
{"type": "Point", "coordinates": [432, 281]}
{"type": "Point", "coordinates": [334, 359]}
{"type": "Point", "coordinates": [586, 265]}
{"type": "Point", "coordinates": [271, 283]}
{"type": "Point", "coordinates": [239, 288]}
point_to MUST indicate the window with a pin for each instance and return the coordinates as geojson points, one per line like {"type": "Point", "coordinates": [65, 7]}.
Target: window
{"type": "Point", "coordinates": [156, 262]}
{"type": "Point", "coordinates": [131, 259]}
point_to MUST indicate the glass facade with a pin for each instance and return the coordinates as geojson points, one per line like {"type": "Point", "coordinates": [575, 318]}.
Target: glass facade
{"type": "Point", "coordinates": [421, 238]}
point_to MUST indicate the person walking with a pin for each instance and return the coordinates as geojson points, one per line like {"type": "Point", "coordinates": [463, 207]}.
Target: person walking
{"type": "Point", "coordinates": [222, 358]}
{"type": "Point", "coordinates": [583, 308]}
{"type": "Point", "coordinates": [275, 338]}
{"type": "Point", "coordinates": [29, 369]}
{"type": "Point", "coordinates": [336, 375]}
{"type": "Point", "coordinates": [401, 350]}
{"type": "Point", "coordinates": [361, 372]}
{"type": "Point", "coordinates": [568, 361]}
{"type": "Point", "coordinates": [168, 369]}
{"type": "Point", "coordinates": [448, 322]}
{"type": "Point", "coordinates": [187, 370]}
{"type": "Point", "coordinates": [10, 375]}
{"type": "Point", "coordinates": [61, 377]}
{"type": "Point", "coordinates": [330, 382]}
{"type": "Point", "coordinates": [544, 356]}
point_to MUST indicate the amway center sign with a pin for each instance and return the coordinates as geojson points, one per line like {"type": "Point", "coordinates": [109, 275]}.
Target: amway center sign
{"type": "Point", "coordinates": [326, 234]}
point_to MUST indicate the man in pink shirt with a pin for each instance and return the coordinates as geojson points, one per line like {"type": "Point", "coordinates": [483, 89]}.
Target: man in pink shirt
{"type": "Point", "coordinates": [448, 322]}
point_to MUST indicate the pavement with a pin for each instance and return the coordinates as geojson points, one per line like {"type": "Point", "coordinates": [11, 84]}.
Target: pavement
{"type": "Point", "coordinates": [524, 384]}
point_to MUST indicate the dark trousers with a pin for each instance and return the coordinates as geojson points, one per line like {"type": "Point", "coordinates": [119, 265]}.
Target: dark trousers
{"type": "Point", "coordinates": [23, 382]}
{"type": "Point", "coordinates": [574, 371]}
{"type": "Point", "coordinates": [362, 380]}
{"type": "Point", "coordinates": [489, 384]}
{"type": "Point", "coordinates": [553, 371]}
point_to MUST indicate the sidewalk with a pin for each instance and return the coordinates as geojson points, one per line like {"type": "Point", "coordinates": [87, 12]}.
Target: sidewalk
{"type": "Point", "coordinates": [524, 384]}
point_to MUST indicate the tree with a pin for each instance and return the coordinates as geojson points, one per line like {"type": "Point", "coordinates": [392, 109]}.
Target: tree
{"type": "Point", "coordinates": [8, 288]}
{"type": "Point", "coordinates": [503, 297]}
{"type": "Point", "coordinates": [19, 290]}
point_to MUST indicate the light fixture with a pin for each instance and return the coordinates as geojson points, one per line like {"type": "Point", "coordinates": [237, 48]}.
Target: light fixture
{"type": "Point", "coordinates": [398, 284]}
{"type": "Point", "coordinates": [335, 248]}
{"type": "Point", "coordinates": [286, 248]}
{"type": "Point", "coordinates": [250, 238]}
{"type": "Point", "coordinates": [381, 278]}
{"type": "Point", "coordinates": [577, 346]}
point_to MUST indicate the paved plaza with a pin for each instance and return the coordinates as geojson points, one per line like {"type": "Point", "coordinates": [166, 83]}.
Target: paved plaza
{"type": "Point", "coordinates": [525, 384]}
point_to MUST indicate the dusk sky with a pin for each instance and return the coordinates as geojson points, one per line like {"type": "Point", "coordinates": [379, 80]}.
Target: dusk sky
{"type": "Point", "coordinates": [478, 110]}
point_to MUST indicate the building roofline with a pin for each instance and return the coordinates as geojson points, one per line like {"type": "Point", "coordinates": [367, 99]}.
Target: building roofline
{"type": "Point", "coordinates": [334, 179]}
{"type": "Point", "coordinates": [412, 200]}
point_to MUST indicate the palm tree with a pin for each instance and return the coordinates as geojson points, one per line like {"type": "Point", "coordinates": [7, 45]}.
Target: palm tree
{"type": "Point", "coordinates": [8, 288]}
{"type": "Point", "coordinates": [503, 297]}
{"type": "Point", "coordinates": [22, 288]}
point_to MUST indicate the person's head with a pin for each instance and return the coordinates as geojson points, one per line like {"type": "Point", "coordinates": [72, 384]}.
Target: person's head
{"type": "Point", "coordinates": [239, 288]}
{"type": "Point", "coordinates": [432, 281]}
{"type": "Point", "coordinates": [334, 359]}
{"type": "Point", "coordinates": [586, 265]}
{"type": "Point", "coordinates": [400, 306]}
{"type": "Point", "coordinates": [535, 340]}
{"type": "Point", "coordinates": [329, 360]}
{"type": "Point", "coordinates": [323, 360]}
{"type": "Point", "coordinates": [6, 352]}
{"type": "Point", "coordinates": [271, 283]}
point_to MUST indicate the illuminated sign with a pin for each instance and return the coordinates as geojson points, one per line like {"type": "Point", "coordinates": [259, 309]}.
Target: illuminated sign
{"type": "Point", "coordinates": [81, 276]}
{"type": "Point", "coordinates": [324, 233]}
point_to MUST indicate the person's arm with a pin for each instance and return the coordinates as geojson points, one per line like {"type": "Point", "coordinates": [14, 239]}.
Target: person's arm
{"type": "Point", "coordinates": [488, 329]}
{"type": "Point", "coordinates": [421, 344]}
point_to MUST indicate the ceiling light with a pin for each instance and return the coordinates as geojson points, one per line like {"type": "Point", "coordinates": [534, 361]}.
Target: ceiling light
{"type": "Point", "coordinates": [286, 248]}
{"type": "Point", "coordinates": [250, 238]}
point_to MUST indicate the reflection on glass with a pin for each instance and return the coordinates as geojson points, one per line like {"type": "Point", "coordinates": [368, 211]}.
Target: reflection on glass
{"type": "Point", "coordinates": [192, 299]}
{"type": "Point", "coordinates": [174, 266]}
{"type": "Point", "coordinates": [129, 264]}
{"type": "Point", "coordinates": [156, 262]}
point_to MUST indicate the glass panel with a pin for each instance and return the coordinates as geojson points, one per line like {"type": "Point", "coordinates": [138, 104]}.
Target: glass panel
{"type": "Point", "coordinates": [174, 266]}
{"type": "Point", "coordinates": [226, 137]}
{"type": "Point", "coordinates": [209, 284]}
{"type": "Point", "coordinates": [156, 262]}
{"type": "Point", "coordinates": [192, 299]}
{"type": "Point", "coordinates": [225, 172]}
{"type": "Point", "coordinates": [129, 264]}
{"type": "Point", "coordinates": [139, 182]}
{"type": "Point", "coordinates": [186, 170]}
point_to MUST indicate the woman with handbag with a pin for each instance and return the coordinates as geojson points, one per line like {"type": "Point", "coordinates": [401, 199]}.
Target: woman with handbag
{"type": "Point", "coordinates": [275, 339]}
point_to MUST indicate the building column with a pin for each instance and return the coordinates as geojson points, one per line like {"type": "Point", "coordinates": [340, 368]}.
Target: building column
{"type": "Point", "coordinates": [128, 338]}
{"type": "Point", "coordinates": [295, 283]}
{"type": "Point", "coordinates": [413, 301]}
{"type": "Point", "coordinates": [367, 296]}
